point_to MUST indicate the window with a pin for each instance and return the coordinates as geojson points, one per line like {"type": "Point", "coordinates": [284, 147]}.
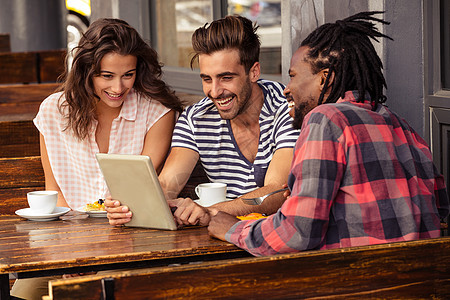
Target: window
{"type": "Point", "coordinates": [267, 14]}
{"type": "Point", "coordinates": [173, 23]}
{"type": "Point", "coordinates": [437, 83]}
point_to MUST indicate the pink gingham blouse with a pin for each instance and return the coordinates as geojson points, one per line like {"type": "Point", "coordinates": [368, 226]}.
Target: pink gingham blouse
{"type": "Point", "coordinates": [73, 162]}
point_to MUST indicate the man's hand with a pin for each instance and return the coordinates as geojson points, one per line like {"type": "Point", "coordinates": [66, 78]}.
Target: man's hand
{"type": "Point", "coordinates": [287, 193]}
{"type": "Point", "coordinates": [189, 213]}
{"type": "Point", "coordinates": [220, 224]}
{"type": "Point", "coordinates": [117, 214]}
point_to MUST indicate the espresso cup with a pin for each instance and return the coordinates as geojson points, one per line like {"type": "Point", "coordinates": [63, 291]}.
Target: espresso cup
{"type": "Point", "coordinates": [211, 193]}
{"type": "Point", "coordinates": [42, 202]}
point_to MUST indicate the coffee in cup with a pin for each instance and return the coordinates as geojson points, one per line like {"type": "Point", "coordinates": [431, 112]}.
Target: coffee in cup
{"type": "Point", "coordinates": [211, 193]}
{"type": "Point", "coordinates": [42, 202]}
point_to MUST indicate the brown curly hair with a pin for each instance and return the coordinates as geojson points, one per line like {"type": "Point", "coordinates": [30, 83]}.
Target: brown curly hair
{"type": "Point", "coordinates": [102, 37]}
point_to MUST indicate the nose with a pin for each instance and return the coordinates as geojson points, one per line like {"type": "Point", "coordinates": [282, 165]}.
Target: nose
{"type": "Point", "coordinates": [215, 89]}
{"type": "Point", "coordinates": [286, 91]}
{"type": "Point", "coordinates": [117, 85]}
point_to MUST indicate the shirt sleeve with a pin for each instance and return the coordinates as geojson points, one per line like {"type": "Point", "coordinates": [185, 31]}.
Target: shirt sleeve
{"type": "Point", "coordinates": [302, 221]}
{"type": "Point", "coordinates": [183, 134]}
{"type": "Point", "coordinates": [285, 134]}
{"type": "Point", "coordinates": [48, 110]}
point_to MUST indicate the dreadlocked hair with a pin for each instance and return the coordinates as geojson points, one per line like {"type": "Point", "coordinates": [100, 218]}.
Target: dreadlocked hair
{"type": "Point", "coordinates": [345, 49]}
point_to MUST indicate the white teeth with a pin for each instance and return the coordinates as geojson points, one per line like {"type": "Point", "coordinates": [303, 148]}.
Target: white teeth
{"type": "Point", "coordinates": [225, 101]}
{"type": "Point", "coordinates": [291, 104]}
{"type": "Point", "coordinates": [114, 95]}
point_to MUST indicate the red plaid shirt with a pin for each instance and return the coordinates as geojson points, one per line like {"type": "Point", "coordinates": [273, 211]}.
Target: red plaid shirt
{"type": "Point", "coordinates": [358, 177]}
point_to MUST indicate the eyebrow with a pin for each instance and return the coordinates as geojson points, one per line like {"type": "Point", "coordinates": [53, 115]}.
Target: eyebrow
{"type": "Point", "coordinates": [220, 74]}
{"type": "Point", "coordinates": [104, 71]}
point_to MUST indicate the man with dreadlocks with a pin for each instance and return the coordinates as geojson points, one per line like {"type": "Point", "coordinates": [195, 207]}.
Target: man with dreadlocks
{"type": "Point", "coordinates": [360, 174]}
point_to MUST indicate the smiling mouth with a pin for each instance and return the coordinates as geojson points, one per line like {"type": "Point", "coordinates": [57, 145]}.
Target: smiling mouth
{"type": "Point", "coordinates": [114, 96]}
{"type": "Point", "coordinates": [291, 104]}
{"type": "Point", "coordinates": [223, 102]}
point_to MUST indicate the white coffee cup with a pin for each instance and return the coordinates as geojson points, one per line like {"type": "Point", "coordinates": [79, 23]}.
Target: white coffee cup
{"type": "Point", "coordinates": [42, 202]}
{"type": "Point", "coordinates": [211, 193]}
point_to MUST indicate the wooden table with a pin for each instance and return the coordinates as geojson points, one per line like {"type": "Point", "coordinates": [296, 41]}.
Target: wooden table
{"type": "Point", "coordinates": [78, 243]}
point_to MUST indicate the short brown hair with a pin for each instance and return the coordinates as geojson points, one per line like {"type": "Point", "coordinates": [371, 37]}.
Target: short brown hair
{"type": "Point", "coordinates": [231, 32]}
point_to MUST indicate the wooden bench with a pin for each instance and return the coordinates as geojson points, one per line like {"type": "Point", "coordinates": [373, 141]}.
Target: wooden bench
{"type": "Point", "coordinates": [5, 42]}
{"type": "Point", "coordinates": [18, 139]}
{"type": "Point", "coordinates": [18, 176]}
{"type": "Point", "coordinates": [19, 93]}
{"type": "Point", "coordinates": [28, 67]}
{"type": "Point", "coordinates": [19, 104]}
{"type": "Point", "coordinates": [404, 270]}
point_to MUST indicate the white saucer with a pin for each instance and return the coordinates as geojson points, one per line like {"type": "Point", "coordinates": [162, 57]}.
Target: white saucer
{"type": "Point", "coordinates": [28, 214]}
{"type": "Point", "coordinates": [200, 203]}
{"type": "Point", "coordinates": [93, 213]}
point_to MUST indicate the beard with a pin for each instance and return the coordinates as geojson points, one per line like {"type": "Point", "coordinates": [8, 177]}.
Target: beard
{"type": "Point", "coordinates": [301, 110]}
{"type": "Point", "coordinates": [241, 101]}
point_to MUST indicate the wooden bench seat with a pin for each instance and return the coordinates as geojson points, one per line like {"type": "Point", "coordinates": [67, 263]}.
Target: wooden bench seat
{"type": "Point", "coordinates": [34, 66]}
{"type": "Point", "coordinates": [404, 270]}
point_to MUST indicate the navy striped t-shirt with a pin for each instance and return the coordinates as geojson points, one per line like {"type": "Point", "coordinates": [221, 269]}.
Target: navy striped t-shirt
{"type": "Point", "coordinates": [200, 128]}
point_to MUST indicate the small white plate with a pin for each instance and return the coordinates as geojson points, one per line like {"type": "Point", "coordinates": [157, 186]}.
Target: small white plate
{"type": "Point", "coordinates": [199, 202]}
{"type": "Point", "coordinates": [93, 213]}
{"type": "Point", "coordinates": [28, 214]}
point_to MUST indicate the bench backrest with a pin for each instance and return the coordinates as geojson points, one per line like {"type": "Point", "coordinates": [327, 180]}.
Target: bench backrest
{"type": "Point", "coordinates": [417, 269]}
{"type": "Point", "coordinates": [22, 101]}
{"type": "Point", "coordinates": [18, 176]}
{"type": "Point", "coordinates": [5, 42]}
{"type": "Point", "coordinates": [18, 93]}
{"type": "Point", "coordinates": [18, 139]}
{"type": "Point", "coordinates": [28, 67]}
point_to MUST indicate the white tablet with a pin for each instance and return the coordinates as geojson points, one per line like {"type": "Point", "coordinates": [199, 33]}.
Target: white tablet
{"type": "Point", "coordinates": [133, 181]}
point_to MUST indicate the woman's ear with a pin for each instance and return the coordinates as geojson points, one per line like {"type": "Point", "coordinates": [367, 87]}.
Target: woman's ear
{"type": "Point", "coordinates": [255, 72]}
{"type": "Point", "coordinates": [323, 78]}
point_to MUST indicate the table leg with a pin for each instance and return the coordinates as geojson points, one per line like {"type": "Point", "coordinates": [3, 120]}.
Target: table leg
{"type": "Point", "coordinates": [4, 287]}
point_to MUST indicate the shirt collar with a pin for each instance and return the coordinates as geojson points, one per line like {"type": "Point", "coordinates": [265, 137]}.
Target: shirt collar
{"type": "Point", "coordinates": [129, 107]}
{"type": "Point", "coordinates": [352, 96]}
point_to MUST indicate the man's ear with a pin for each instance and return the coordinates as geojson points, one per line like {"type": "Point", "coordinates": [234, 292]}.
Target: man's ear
{"type": "Point", "coordinates": [323, 77]}
{"type": "Point", "coordinates": [255, 72]}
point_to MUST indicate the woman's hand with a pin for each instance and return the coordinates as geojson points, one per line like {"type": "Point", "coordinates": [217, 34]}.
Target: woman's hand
{"type": "Point", "coordinates": [117, 214]}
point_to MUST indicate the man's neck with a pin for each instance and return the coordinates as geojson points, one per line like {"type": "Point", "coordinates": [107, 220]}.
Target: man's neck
{"type": "Point", "coordinates": [245, 126]}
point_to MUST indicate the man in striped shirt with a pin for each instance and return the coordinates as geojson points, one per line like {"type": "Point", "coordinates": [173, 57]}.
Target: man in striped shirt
{"type": "Point", "coordinates": [241, 132]}
{"type": "Point", "coordinates": [360, 175]}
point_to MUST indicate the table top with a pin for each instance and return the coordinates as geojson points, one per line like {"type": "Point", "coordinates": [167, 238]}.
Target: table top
{"type": "Point", "coordinates": [76, 240]}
